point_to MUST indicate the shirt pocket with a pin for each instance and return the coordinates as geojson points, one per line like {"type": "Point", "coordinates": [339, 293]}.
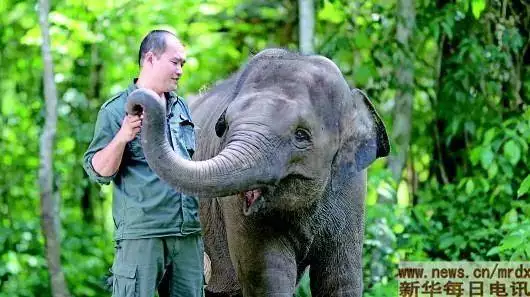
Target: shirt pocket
{"type": "Point", "coordinates": [190, 214]}
{"type": "Point", "coordinates": [184, 131]}
{"type": "Point", "coordinates": [124, 282]}
{"type": "Point", "coordinates": [136, 150]}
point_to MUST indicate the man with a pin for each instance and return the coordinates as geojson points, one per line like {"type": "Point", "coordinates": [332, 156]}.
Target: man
{"type": "Point", "coordinates": [157, 230]}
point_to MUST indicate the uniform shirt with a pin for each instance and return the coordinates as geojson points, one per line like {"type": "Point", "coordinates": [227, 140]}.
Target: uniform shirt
{"type": "Point", "coordinates": [143, 205]}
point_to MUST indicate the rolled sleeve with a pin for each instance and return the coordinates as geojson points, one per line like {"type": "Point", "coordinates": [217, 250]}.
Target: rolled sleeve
{"type": "Point", "coordinates": [107, 125]}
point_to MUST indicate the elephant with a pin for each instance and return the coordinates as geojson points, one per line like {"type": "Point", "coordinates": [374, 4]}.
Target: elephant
{"type": "Point", "coordinates": [280, 169]}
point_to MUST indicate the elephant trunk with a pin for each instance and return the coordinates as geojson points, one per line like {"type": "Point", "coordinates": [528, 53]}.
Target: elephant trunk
{"type": "Point", "coordinates": [235, 169]}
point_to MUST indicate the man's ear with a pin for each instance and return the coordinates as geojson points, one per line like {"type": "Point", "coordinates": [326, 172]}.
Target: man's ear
{"type": "Point", "coordinates": [148, 58]}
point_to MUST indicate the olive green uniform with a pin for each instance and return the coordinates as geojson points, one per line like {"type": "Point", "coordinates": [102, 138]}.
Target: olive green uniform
{"type": "Point", "coordinates": [157, 229]}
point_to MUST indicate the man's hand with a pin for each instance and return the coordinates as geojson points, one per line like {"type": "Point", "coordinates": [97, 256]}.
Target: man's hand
{"type": "Point", "coordinates": [130, 126]}
{"type": "Point", "coordinates": [106, 162]}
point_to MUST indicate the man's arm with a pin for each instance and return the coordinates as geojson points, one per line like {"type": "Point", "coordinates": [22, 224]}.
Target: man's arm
{"type": "Point", "coordinates": [106, 162]}
{"type": "Point", "coordinates": [109, 141]}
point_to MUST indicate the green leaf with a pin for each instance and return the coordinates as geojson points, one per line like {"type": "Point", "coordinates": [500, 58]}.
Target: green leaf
{"type": "Point", "coordinates": [386, 3]}
{"type": "Point", "coordinates": [512, 151]}
{"type": "Point", "coordinates": [470, 186]}
{"type": "Point", "coordinates": [362, 40]}
{"type": "Point", "coordinates": [8, 105]}
{"type": "Point", "coordinates": [511, 241]}
{"type": "Point", "coordinates": [445, 242]}
{"type": "Point", "coordinates": [508, 189]}
{"type": "Point", "coordinates": [447, 30]}
{"type": "Point", "coordinates": [463, 4]}
{"type": "Point", "coordinates": [371, 197]}
{"type": "Point", "coordinates": [477, 6]}
{"type": "Point", "coordinates": [460, 242]}
{"type": "Point", "coordinates": [331, 13]}
{"type": "Point", "coordinates": [13, 263]}
{"type": "Point", "coordinates": [486, 158]}
{"type": "Point", "coordinates": [403, 198]}
{"type": "Point", "coordinates": [493, 170]}
{"type": "Point", "coordinates": [490, 134]}
{"type": "Point", "coordinates": [493, 251]}
{"type": "Point", "coordinates": [363, 74]}
{"type": "Point", "coordinates": [32, 37]}
{"type": "Point", "coordinates": [474, 155]}
{"type": "Point", "coordinates": [510, 217]}
{"type": "Point", "coordinates": [210, 9]}
{"type": "Point", "coordinates": [16, 12]}
{"type": "Point", "coordinates": [303, 289]}
{"type": "Point", "coordinates": [525, 187]}
{"type": "Point", "coordinates": [67, 145]}
{"type": "Point", "coordinates": [97, 6]}
{"type": "Point", "coordinates": [398, 228]}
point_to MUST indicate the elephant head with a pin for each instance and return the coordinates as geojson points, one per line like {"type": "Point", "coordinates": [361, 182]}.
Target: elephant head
{"type": "Point", "coordinates": [290, 128]}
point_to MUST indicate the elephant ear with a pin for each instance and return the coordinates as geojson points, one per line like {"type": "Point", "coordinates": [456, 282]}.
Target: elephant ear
{"type": "Point", "coordinates": [374, 144]}
{"type": "Point", "coordinates": [363, 136]}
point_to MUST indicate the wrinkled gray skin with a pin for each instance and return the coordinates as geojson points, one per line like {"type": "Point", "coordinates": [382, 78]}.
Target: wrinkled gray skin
{"type": "Point", "coordinates": [290, 126]}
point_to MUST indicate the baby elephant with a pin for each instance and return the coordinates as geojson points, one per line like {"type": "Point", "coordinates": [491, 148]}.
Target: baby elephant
{"type": "Point", "coordinates": [281, 160]}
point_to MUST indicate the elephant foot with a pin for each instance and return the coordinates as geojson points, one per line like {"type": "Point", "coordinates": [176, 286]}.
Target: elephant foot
{"type": "Point", "coordinates": [212, 294]}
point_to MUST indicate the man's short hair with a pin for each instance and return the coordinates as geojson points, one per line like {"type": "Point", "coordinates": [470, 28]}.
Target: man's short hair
{"type": "Point", "coordinates": [155, 42]}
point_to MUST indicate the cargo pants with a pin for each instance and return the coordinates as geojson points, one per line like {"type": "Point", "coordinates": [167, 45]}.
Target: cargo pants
{"type": "Point", "coordinates": [173, 266]}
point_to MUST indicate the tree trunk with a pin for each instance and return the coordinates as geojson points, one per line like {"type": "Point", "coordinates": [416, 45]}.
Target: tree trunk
{"type": "Point", "coordinates": [306, 15]}
{"type": "Point", "coordinates": [402, 124]}
{"type": "Point", "coordinates": [404, 74]}
{"type": "Point", "coordinates": [49, 203]}
{"type": "Point", "coordinates": [94, 92]}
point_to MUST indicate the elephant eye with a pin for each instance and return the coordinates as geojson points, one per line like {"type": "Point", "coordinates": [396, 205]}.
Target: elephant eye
{"type": "Point", "coordinates": [302, 135]}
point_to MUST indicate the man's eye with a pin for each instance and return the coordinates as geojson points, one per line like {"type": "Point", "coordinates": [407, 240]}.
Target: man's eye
{"type": "Point", "coordinates": [177, 63]}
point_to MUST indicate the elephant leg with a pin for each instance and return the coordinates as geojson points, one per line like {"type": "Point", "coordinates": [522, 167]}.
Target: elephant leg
{"type": "Point", "coordinates": [266, 272]}
{"type": "Point", "coordinates": [210, 294]}
{"type": "Point", "coordinates": [265, 263]}
{"type": "Point", "coordinates": [336, 260]}
{"type": "Point", "coordinates": [338, 274]}
{"type": "Point", "coordinates": [336, 263]}
{"type": "Point", "coordinates": [223, 279]}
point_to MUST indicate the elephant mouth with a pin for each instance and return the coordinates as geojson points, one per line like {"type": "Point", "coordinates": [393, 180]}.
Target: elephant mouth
{"type": "Point", "coordinates": [253, 201]}
{"type": "Point", "coordinates": [259, 199]}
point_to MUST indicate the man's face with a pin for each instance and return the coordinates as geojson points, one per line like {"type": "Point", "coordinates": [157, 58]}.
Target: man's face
{"type": "Point", "coordinates": [167, 68]}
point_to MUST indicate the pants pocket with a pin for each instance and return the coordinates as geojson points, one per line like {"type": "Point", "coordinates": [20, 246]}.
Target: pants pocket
{"type": "Point", "coordinates": [124, 282]}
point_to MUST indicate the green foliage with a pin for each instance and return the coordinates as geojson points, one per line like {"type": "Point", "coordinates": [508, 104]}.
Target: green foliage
{"type": "Point", "coordinates": [87, 254]}
{"type": "Point", "coordinates": [464, 193]}
{"type": "Point", "coordinates": [303, 289]}
{"type": "Point", "coordinates": [525, 187]}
